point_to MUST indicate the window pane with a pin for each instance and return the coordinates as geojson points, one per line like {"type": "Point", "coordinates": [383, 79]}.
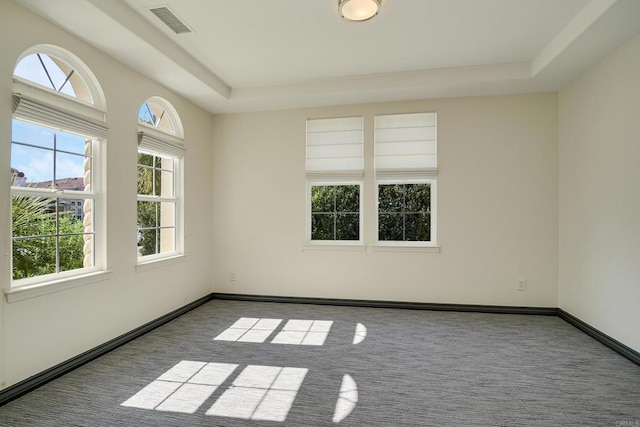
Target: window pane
{"type": "Point", "coordinates": [31, 134]}
{"type": "Point", "coordinates": [34, 166]}
{"type": "Point", "coordinates": [404, 212]}
{"type": "Point", "coordinates": [30, 68]}
{"type": "Point", "coordinates": [73, 143]}
{"type": "Point", "coordinates": [70, 170]}
{"type": "Point", "coordinates": [390, 198]}
{"type": "Point", "coordinates": [87, 214]}
{"type": "Point", "coordinates": [145, 159]}
{"type": "Point", "coordinates": [167, 214]}
{"type": "Point", "coordinates": [347, 198]}
{"type": "Point", "coordinates": [32, 216]}
{"type": "Point", "coordinates": [147, 242]}
{"type": "Point", "coordinates": [147, 215]}
{"type": "Point", "coordinates": [69, 222]}
{"type": "Point", "coordinates": [418, 197]}
{"type": "Point", "coordinates": [54, 74]}
{"type": "Point", "coordinates": [390, 227]}
{"type": "Point", "coordinates": [322, 226]}
{"type": "Point", "coordinates": [89, 250]}
{"type": "Point", "coordinates": [167, 240]}
{"type": "Point", "coordinates": [34, 257]}
{"type": "Point", "coordinates": [153, 114]}
{"type": "Point", "coordinates": [165, 188]}
{"type": "Point", "coordinates": [418, 227]}
{"type": "Point", "coordinates": [71, 252]}
{"type": "Point", "coordinates": [348, 227]}
{"type": "Point", "coordinates": [335, 212]}
{"type": "Point", "coordinates": [145, 180]}
{"type": "Point", "coordinates": [157, 181]}
{"type": "Point", "coordinates": [322, 198]}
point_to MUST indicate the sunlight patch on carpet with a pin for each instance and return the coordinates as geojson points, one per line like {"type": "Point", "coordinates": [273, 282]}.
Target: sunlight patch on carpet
{"type": "Point", "coordinates": [360, 334]}
{"type": "Point", "coordinates": [347, 400]}
{"type": "Point", "coordinates": [249, 329]}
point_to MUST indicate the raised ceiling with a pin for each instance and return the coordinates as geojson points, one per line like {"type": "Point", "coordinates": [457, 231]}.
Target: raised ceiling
{"type": "Point", "coordinates": [249, 55]}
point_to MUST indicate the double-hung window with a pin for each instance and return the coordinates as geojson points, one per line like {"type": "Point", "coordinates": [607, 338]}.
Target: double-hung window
{"type": "Point", "coordinates": [406, 178]}
{"type": "Point", "coordinates": [334, 171]}
{"type": "Point", "coordinates": [160, 202]}
{"type": "Point", "coordinates": [58, 132]}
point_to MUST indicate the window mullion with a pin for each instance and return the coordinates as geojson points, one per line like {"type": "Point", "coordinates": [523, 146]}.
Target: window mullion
{"type": "Point", "coordinates": [404, 212]}
{"type": "Point", "coordinates": [157, 228]}
{"type": "Point", "coordinates": [149, 198]}
{"type": "Point", "coordinates": [55, 162]}
{"type": "Point", "coordinates": [335, 213]}
{"type": "Point", "coordinates": [57, 235]}
{"type": "Point", "coordinates": [153, 175]}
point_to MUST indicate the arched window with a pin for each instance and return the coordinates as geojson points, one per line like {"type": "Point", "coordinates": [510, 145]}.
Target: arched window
{"type": "Point", "coordinates": [159, 114]}
{"type": "Point", "coordinates": [160, 204]}
{"type": "Point", "coordinates": [59, 124]}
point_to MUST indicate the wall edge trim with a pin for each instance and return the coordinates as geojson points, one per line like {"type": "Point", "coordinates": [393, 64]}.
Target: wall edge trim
{"type": "Point", "coordinates": [495, 309]}
{"type": "Point", "coordinates": [601, 337]}
{"type": "Point", "coordinates": [25, 386]}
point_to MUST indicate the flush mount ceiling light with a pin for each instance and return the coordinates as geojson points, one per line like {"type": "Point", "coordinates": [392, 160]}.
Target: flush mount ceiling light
{"type": "Point", "coordinates": [358, 10]}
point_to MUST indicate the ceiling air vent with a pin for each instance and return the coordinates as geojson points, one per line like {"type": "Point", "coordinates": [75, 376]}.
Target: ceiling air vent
{"type": "Point", "coordinates": [170, 19]}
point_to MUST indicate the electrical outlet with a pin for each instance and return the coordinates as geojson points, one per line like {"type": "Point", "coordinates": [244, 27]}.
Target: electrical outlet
{"type": "Point", "coordinates": [522, 285]}
{"type": "Point", "coordinates": [232, 276]}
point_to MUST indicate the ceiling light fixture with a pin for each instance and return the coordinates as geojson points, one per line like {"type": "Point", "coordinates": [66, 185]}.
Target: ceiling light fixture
{"type": "Point", "coordinates": [358, 10]}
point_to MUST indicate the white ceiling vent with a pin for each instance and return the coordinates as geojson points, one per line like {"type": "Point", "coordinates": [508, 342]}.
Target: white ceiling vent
{"type": "Point", "coordinates": [167, 16]}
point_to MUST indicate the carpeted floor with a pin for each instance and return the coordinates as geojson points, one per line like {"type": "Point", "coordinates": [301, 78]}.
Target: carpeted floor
{"type": "Point", "coordinates": [413, 368]}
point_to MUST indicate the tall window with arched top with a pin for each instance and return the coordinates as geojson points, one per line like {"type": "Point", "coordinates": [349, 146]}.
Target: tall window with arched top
{"type": "Point", "coordinates": [160, 159]}
{"type": "Point", "coordinates": [58, 132]}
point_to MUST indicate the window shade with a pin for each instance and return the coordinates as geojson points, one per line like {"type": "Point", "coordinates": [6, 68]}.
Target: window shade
{"type": "Point", "coordinates": [406, 144]}
{"type": "Point", "coordinates": [33, 110]}
{"type": "Point", "coordinates": [334, 146]}
{"type": "Point", "coordinates": [159, 143]}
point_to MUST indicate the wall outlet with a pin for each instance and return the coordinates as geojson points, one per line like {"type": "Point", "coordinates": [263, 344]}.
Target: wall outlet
{"type": "Point", "coordinates": [522, 285]}
{"type": "Point", "coordinates": [232, 276]}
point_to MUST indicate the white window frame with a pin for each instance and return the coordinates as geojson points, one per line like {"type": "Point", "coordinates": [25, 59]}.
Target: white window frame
{"type": "Point", "coordinates": [98, 222]}
{"type": "Point", "coordinates": [176, 200]}
{"type": "Point", "coordinates": [41, 106]}
{"type": "Point", "coordinates": [432, 217]}
{"type": "Point", "coordinates": [156, 142]}
{"type": "Point", "coordinates": [409, 175]}
{"type": "Point", "coordinates": [336, 181]}
{"type": "Point", "coordinates": [335, 176]}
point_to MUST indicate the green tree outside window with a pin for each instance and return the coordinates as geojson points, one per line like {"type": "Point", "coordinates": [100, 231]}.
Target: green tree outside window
{"type": "Point", "coordinates": [404, 212]}
{"type": "Point", "coordinates": [335, 212]}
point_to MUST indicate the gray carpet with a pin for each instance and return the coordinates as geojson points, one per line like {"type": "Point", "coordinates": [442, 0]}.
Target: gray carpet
{"type": "Point", "coordinates": [414, 368]}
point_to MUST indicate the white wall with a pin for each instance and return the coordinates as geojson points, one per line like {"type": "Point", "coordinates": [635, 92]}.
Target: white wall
{"type": "Point", "coordinates": [38, 333]}
{"type": "Point", "coordinates": [600, 196]}
{"type": "Point", "coordinates": [497, 207]}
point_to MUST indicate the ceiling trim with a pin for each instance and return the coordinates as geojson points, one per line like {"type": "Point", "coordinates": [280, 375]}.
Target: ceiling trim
{"type": "Point", "coordinates": [121, 13]}
{"type": "Point", "coordinates": [405, 79]}
{"type": "Point", "coordinates": [569, 34]}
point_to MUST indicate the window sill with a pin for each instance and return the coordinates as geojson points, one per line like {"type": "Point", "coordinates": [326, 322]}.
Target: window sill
{"type": "Point", "coordinates": [160, 262]}
{"type": "Point", "coordinates": [334, 247]}
{"type": "Point", "coordinates": [40, 289]}
{"type": "Point", "coordinates": [405, 248]}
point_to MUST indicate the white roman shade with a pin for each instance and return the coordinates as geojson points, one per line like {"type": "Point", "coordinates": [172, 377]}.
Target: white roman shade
{"type": "Point", "coordinates": [405, 145]}
{"type": "Point", "coordinates": [62, 114]}
{"type": "Point", "coordinates": [161, 143]}
{"type": "Point", "coordinates": [335, 146]}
